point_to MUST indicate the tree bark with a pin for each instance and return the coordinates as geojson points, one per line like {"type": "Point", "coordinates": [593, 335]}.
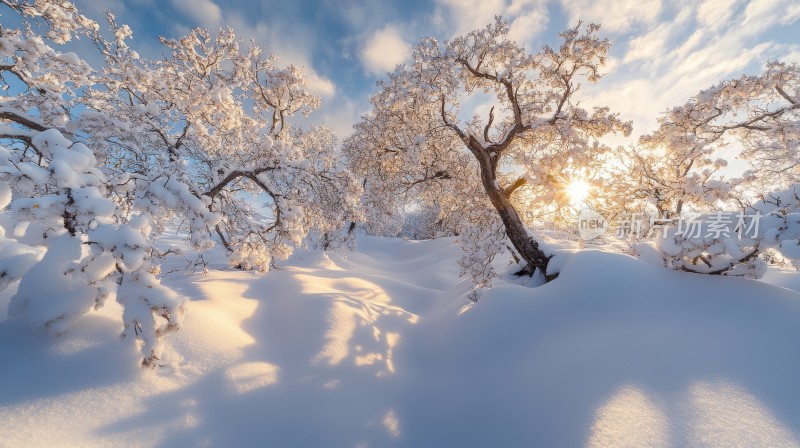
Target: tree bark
{"type": "Point", "coordinates": [516, 230]}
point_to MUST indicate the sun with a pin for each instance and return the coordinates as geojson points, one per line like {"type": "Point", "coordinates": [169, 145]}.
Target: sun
{"type": "Point", "coordinates": [578, 191]}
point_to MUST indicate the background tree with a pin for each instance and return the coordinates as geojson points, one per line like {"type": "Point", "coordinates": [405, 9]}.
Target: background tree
{"type": "Point", "coordinates": [673, 177]}
{"type": "Point", "coordinates": [424, 129]}
{"type": "Point", "coordinates": [754, 118]}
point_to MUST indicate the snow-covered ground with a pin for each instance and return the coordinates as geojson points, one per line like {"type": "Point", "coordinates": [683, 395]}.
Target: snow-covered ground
{"type": "Point", "coordinates": [379, 347]}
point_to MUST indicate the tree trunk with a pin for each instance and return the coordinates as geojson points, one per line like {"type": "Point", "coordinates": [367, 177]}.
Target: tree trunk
{"type": "Point", "coordinates": [516, 230]}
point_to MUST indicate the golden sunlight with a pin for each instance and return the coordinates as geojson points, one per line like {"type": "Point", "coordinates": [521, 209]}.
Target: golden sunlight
{"type": "Point", "coordinates": [578, 191]}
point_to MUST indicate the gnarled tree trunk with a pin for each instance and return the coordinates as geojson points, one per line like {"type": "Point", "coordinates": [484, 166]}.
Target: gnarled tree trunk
{"type": "Point", "coordinates": [516, 230]}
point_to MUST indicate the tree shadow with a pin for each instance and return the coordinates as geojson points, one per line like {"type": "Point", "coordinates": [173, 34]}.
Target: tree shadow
{"type": "Point", "coordinates": [319, 372]}
{"type": "Point", "coordinates": [324, 356]}
{"type": "Point", "coordinates": [537, 368]}
{"type": "Point", "coordinates": [37, 365]}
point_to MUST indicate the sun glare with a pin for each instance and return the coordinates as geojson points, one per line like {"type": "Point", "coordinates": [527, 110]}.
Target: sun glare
{"type": "Point", "coordinates": [578, 191]}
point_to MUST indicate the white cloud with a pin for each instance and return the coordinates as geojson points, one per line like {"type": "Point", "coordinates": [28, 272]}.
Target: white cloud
{"type": "Point", "coordinates": [790, 52]}
{"type": "Point", "coordinates": [384, 49]}
{"type": "Point", "coordinates": [205, 13]}
{"type": "Point", "coordinates": [763, 14]}
{"type": "Point", "coordinates": [652, 45]}
{"type": "Point", "coordinates": [642, 90]}
{"type": "Point", "coordinates": [697, 46]}
{"type": "Point", "coordinates": [649, 45]}
{"type": "Point", "coordinates": [464, 16]}
{"type": "Point", "coordinates": [318, 84]}
{"type": "Point", "coordinates": [714, 14]}
{"type": "Point", "coordinates": [620, 17]}
{"type": "Point", "coordinates": [527, 26]}
{"type": "Point", "coordinates": [527, 17]}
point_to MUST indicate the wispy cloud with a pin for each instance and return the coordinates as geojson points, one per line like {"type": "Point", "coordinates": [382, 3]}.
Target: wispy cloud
{"type": "Point", "coordinates": [617, 16]}
{"type": "Point", "coordinates": [692, 47]}
{"type": "Point", "coordinates": [528, 18]}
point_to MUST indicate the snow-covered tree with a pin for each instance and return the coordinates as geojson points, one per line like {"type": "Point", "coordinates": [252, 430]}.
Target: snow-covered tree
{"type": "Point", "coordinates": [758, 115]}
{"type": "Point", "coordinates": [203, 135]}
{"type": "Point", "coordinates": [485, 129]}
{"type": "Point", "coordinates": [672, 176]}
{"type": "Point", "coordinates": [734, 243]}
{"type": "Point", "coordinates": [754, 118]}
{"type": "Point", "coordinates": [59, 205]}
{"type": "Point", "coordinates": [95, 165]}
{"type": "Point", "coordinates": [60, 233]}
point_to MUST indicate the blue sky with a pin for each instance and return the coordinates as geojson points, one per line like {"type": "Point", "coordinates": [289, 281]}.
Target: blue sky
{"type": "Point", "coordinates": [664, 51]}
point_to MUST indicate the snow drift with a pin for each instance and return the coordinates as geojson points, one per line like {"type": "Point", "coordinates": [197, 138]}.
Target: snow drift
{"type": "Point", "coordinates": [379, 347]}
